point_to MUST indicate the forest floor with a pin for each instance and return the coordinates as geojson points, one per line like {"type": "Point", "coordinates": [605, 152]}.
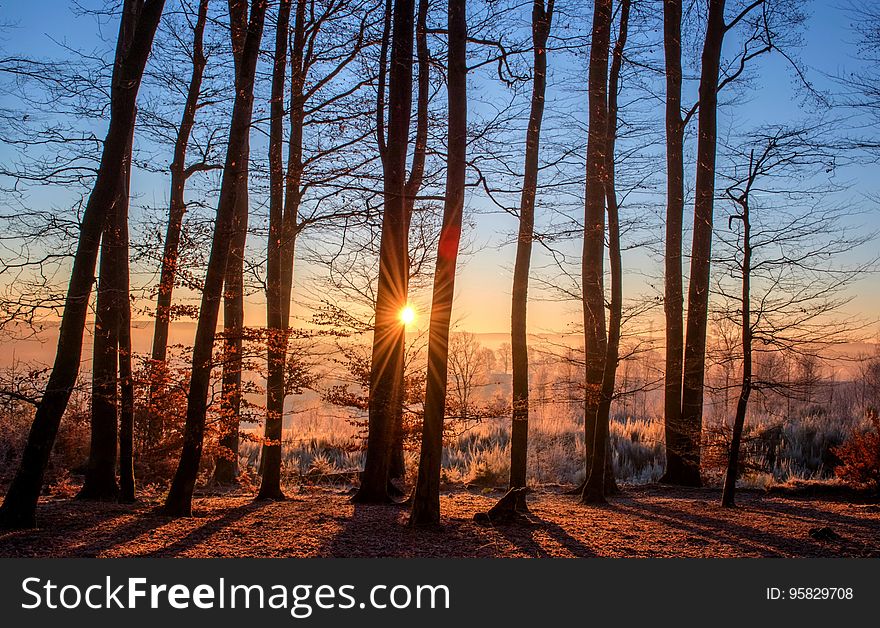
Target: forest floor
{"type": "Point", "coordinates": [644, 521]}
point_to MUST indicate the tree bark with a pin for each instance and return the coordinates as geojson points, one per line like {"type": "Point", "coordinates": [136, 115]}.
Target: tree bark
{"type": "Point", "coordinates": [595, 340]}
{"type": "Point", "coordinates": [19, 506]}
{"type": "Point", "coordinates": [179, 500]}
{"type": "Point", "coordinates": [673, 298]}
{"type": "Point", "coordinates": [388, 335]}
{"type": "Point", "coordinates": [176, 212]}
{"type": "Point", "coordinates": [413, 185]}
{"type": "Point", "coordinates": [100, 477]}
{"type": "Point", "coordinates": [701, 250]}
{"type": "Point", "coordinates": [270, 486]}
{"type": "Point", "coordinates": [226, 464]}
{"type": "Point", "coordinates": [615, 316]}
{"type": "Point", "coordinates": [426, 502]}
{"type": "Point", "coordinates": [541, 20]}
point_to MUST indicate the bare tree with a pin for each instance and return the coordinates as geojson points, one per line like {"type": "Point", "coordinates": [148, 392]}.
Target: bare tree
{"type": "Point", "coordinates": [762, 26]}
{"type": "Point", "coordinates": [592, 281]}
{"type": "Point", "coordinates": [180, 173]}
{"type": "Point", "coordinates": [426, 501]}
{"type": "Point", "coordinates": [324, 48]}
{"type": "Point", "coordinates": [783, 253]}
{"type": "Point", "coordinates": [388, 333]}
{"type": "Point", "coordinates": [542, 17]}
{"type": "Point", "coordinates": [19, 507]}
{"type": "Point", "coordinates": [179, 499]}
{"type": "Point", "coordinates": [270, 487]}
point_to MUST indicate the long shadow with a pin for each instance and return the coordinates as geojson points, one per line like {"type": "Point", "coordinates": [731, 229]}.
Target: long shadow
{"type": "Point", "coordinates": [118, 536]}
{"type": "Point", "coordinates": [205, 531]}
{"type": "Point", "coordinates": [522, 535]}
{"type": "Point", "coordinates": [797, 511]}
{"type": "Point", "coordinates": [63, 524]}
{"type": "Point", "coordinates": [736, 535]}
{"type": "Point", "coordinates": [372, 530]}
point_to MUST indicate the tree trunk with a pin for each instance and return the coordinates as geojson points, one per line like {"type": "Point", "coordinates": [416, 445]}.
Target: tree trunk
{"type": "Point", "coordinates": [100, 478]}
{"type": "Point", "coordinates": [701, 250]}
{"type": "Point", "coordinates": [388, 334]}
{"type": "Point", "coordinates": [541, 21]}
{"type": "Point", "coordinates": [595, 340]}
{"type": "Point", "coordinates": [426, 502]}
{"type": "Point", "coordinates": [729, 490]}
{"type": "Point", "coordinates": [413, 184]}
{"type": "Point", "coordinates": [179, 500]}
{"type": "Point", "coordinates": [270, 486]}
{"type": "Point", "coordinates": [616, 263]}
{"type": "Point", "coordinates": [673, 299]}
{"type": "Point", "coordinates": [226, 464]}
{"type": "Point", "coordinates": [176, 212]}
{"type": "Point", "coordinates": [19, 506]}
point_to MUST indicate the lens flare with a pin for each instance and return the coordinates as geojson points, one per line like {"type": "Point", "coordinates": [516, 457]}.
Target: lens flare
{"type": "Point", "coordinates": [407, 315]}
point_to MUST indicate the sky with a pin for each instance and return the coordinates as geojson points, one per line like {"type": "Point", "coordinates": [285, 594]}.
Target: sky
{"type": "Point", "coordinates": [483, 286]}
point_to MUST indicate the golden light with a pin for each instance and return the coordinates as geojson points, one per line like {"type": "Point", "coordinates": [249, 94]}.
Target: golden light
{"type": "Point", "coordinates": [407, 315]}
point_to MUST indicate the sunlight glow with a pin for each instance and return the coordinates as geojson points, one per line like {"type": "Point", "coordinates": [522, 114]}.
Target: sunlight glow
{"type": "Point", "coordinates": [407, 315]}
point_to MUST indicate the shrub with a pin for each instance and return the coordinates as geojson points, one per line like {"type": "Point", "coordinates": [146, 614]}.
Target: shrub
{"type": "Point", "coordinates": [860, 456]}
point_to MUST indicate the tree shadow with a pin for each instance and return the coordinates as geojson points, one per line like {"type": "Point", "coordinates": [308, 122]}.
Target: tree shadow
{"type": "Point", "coordinates": [793, 510]}
{"type": "Point", "coordinates": [732, 533]}
{"type": "Point", "coordinates": [72, 528]}
{"type": "Point", "coordinates": [522, 534]}
{"type": "Point", "coordinates": [120, 535]}
{"type": "Point", "coordinates": [204, 532]}
{"type": "Point", "coordinates": [372, 530]}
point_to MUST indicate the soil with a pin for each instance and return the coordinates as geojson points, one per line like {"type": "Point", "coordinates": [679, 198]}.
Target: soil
{"type": "Point", "coordinates": [646, 521]}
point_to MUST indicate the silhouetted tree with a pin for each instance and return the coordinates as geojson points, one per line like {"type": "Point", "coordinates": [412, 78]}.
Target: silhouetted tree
{"type": "Point", "coordinates": [180, 173]}
{"type": "Point", "coordinates": [270, 487]}
{"type": "Point", "coordinates": [426, 501]}
{"type": "Point", "coordinates": [19, 507]}
{"type": "Point", "coordinates": [179, 499]}
{"type": "Point", "coordinates": [595, 339]}
{"type": "Point", "coordinates": [226, 464]}
{"type": "Point", "coordinates": [388, 333]}
{"type": "Point", "coordinates": [542, 17]}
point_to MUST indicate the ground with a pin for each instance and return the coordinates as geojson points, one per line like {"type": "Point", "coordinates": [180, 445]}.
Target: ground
{"type": "Point", "coordinates": [649, 521]}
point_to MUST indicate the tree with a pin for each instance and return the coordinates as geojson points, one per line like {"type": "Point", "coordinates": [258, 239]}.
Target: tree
{"type": "Point", "coordinates": [413, 184]}
{"type": "Point", "coordinates": [100, 478]}
{"type": "Point", "coordinates": [764, 25]}
{"type": "Point", "coordinates": [180, 173]}
{"type": "Point", "coordinates": [688, 452]}
{"type": "Point", "coordinates": [226, 464]}
{"type": "Point", "coordinates": [388, 333]}
{"type": "Point", "coordinates": [270, 487]}
{"type": "Point", "coordinates": [673, 298]}
{"type": "Point", "coordinates": [542, 18]}
{"type": "Point", "coordinates": [179, 499]}
{"type": "Point", "coordinates": [615, 316]}
{"type": "Point", "coordinates": [19, 506]}
{"type": "Point", "coordinates": [595, 339]}
{"type": "Point", "coordinates": [323, 46]}
{"type": "Point", "coordinates": [426, 501]}
{"type": "Point", "coordinates": [783, 256]}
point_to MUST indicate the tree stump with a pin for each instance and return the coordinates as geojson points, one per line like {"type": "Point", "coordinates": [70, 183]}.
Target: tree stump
{"type": "Point", "coordinates": [509, 509]}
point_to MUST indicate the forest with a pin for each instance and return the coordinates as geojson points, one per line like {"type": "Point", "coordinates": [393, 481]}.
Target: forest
{"type": "Point", "coordinates": [419, 278]}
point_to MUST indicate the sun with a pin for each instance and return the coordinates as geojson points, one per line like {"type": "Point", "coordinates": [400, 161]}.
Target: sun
{"type": "Point", "coordinates": [407, 315]}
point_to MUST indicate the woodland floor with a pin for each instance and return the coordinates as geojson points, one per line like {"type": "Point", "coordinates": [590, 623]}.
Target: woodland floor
{"type": "Point", "coordinates": [646, 521]}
